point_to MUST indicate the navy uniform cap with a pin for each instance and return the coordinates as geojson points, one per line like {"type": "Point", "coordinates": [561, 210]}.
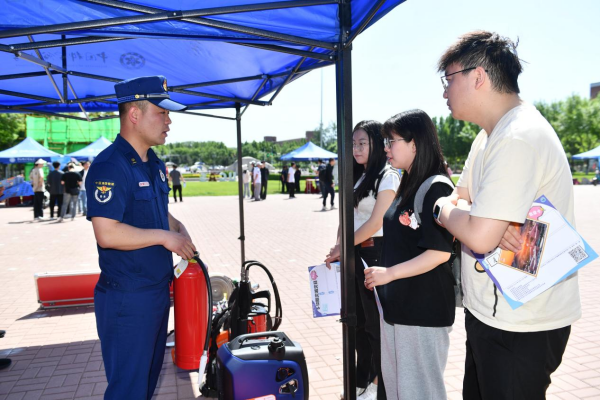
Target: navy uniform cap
{"type": "Point", "coordinates": [150, 88]}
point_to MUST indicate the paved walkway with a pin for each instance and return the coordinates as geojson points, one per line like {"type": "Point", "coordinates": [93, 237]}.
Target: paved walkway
{"type": "Point", "coordinates": [56, 354]}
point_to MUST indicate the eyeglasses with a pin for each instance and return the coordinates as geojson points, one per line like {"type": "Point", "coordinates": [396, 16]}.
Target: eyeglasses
{"type": "Point", "coordinates": [360, 146]}
{"type": "Point", "coordinates": [445, 81]}
{"type": "Point", "coordinates": [387, 143]}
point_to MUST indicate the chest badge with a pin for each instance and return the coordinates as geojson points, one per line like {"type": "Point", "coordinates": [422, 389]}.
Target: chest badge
{"type": "Point", "coordinates": [408, 219]}
{"type": "Point", "coordinates": [144, 184]}
{"type": "Point", "coordinates": [103, 193]}
{"type": "Point", "coordinates": [162, 175]}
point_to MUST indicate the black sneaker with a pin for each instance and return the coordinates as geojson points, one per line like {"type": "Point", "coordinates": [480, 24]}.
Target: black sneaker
{"type": "Point", "coordinates": [5, 363]}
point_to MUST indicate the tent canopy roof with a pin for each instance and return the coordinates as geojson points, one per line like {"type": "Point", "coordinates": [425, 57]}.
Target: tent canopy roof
{"type": "Point", "coordinates": [90, 151]}
{"type": "Point", "coordinates": [308, 152]}
{"type": "Point", "coordinates": [214, 53]}
{"type": "Point", "coordinates": [28, 151]}
{"type": "Point", "coordinates": [594, 153]}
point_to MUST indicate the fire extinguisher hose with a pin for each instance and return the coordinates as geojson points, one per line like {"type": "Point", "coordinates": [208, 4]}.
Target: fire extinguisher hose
{"type": "Point", "coordinates": [278, 312]}
{"type": "Point", "coordinates": [204, 357]}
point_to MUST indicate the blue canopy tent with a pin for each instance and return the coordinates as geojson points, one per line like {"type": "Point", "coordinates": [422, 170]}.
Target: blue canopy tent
{"type": "Point", "coordinates": [308, 152]}
{"type": "Point", "coordinates": [28, 151]}
{"type": "Point", "coordinates": [64, 56]}
{"type": "Point", "coordinates": [594, 153]}
{"type": "Point", "coordinates": [91, 151]}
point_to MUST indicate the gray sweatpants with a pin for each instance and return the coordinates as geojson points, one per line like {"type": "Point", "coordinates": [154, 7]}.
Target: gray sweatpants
{"type": "Point", "coordinates": [257, 191]}
{"type": "Point", "coordinates": [413, 360]}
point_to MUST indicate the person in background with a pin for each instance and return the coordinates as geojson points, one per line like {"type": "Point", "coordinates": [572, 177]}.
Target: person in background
{"type": "Point", "coordinates": [257, 181]}
{"type": "Point", "coordinates": [56, 189]}
{"type": "Point", "coordinates": [375, 186]}
{"type": "Point", "coordinates": [82, 191]}
{"type": "Point", "coordinates": [414, 283]}
{"type": "Point", "coordinates": [284, 172]}
{"type": "Point", "coordinates": [176, 178]}
{"type": "Point", "coordinates": [71, 180]}
{"type": "Point", "coordinates": [321, 175]}
{"type": "Point", "coordinates": [328, 184]}
{"type": "Point", "coordinates": [291, 182]}
{"type": "Point", "coordinates": [36, 176]}
{"type": "Point", "coordinates": [246, 178]}
{"type": "Point", "coordinates": [297, 175]}
{"type": "Point", "coordinates": [264, 178]}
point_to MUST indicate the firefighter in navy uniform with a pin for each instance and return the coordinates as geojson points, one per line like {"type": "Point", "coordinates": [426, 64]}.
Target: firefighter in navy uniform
{"type": "Point", "coordinates": [136, 235]}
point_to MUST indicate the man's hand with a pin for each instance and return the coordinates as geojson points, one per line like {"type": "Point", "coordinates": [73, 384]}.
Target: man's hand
{"type": "Point", "coordinates": [334, 255]}
{"type": "Point", "coordinates": [511, 240]}
{"type": "Point", "coordinates": [377, 276]}
{"type": "Point", "coordinates": [179, 243]}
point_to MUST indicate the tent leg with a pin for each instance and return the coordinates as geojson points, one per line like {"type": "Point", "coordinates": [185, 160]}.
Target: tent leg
{"type": "Point", "coordinates": [238, 119]}
{"type": "Point", "coordinates": [344, 125]}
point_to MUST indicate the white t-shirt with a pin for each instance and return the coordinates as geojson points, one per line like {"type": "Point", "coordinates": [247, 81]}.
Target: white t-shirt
{"type": "Point", "coordinates": [389, 181]}
{"type": "Point", "coordinates": [291, 172]}
{"type": "Point", "coordinates": [84, 173]}
{"type": "Point", "coordinates": [35, 176]}
{"type": "Point", "coordinates": [246, 177]}
{"type": "Point", "coordinates": [505, 172]}
{"type": "Point", "coordinates": [256, 173]}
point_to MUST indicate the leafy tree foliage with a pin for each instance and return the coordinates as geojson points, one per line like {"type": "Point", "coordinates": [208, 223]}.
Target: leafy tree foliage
{"type": "Point", "coordinates": [455, 138]}
{"type": "Point", "coordinates": [12, 130]}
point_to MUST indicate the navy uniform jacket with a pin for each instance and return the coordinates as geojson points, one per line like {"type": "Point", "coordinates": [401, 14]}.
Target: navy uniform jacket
{"type": "Point", "coordinates": [122, 187]}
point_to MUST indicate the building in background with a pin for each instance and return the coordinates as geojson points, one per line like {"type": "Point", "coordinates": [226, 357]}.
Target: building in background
{"type": "Point", "coordinates": [273, 139]}
{"type": "Point", "coordinates": [594, 90]}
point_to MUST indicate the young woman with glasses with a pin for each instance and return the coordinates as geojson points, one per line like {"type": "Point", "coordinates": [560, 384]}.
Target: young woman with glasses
{"type": "Point", "coordinates": [375, 185]}
{"type": "Point", "coordinates": [414, 283]}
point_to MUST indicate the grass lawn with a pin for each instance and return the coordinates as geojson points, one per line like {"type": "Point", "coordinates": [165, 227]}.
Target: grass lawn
{"type": "Point", "coordinates": [225, 188]}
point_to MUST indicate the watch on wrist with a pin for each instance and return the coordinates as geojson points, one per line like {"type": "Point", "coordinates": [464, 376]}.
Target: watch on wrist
{"type": "Point", "coordinates": [437, 212]}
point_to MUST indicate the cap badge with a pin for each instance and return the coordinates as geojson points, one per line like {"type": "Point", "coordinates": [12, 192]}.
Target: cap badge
{"type": "Point", "coordinates": [165, 85]}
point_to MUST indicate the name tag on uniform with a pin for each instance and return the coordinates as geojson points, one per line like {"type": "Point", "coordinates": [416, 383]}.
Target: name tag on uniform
{"type": "Point", "coordinates": [180, 268]}
{"type": "Point", "coordinates": [144, 184]}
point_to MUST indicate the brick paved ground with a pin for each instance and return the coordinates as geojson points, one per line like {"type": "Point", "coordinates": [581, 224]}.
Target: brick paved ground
{"type": "Point", "coordinates": [56, 354]}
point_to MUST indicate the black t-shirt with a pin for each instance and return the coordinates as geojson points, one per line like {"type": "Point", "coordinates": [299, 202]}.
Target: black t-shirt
{"type": "Point", "coordinates": [426, 299]}
{"type": "Point", "coordinates": [71, 180]}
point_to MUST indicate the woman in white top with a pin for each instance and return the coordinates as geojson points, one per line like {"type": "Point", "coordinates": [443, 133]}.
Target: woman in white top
{"type": "Point", "coordinates": [375, 185]}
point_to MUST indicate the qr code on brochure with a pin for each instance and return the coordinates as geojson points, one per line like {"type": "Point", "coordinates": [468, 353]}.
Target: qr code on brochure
{"type": "Point", "coordinates": [578, 254]}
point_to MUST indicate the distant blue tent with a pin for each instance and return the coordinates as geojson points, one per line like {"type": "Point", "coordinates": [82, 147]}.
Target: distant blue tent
{"type": "Point", "coordinates": [594, 153]}
{"type": "Point", "coordinates": [91, 151]}
{"type": "Point", "coordinates": [308, 152]}
{"type": "Point", "coordinates": [28, 151]}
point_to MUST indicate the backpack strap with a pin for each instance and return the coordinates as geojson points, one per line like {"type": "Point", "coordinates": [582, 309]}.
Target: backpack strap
{"type": "Point", "coordinates": [383, 171]}
{"type": "Point", "coordinates": [424, 188]}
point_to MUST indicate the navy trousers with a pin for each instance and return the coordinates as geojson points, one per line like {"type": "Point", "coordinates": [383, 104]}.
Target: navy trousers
{"type": "Point", "coordinates": [132, 326]}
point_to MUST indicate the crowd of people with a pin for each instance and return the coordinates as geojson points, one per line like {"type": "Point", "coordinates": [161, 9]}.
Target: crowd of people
{"type": "Point", "coordinates": [516, 157]}
{"type": "Point", "coordinates": [65, 186]}
{"type": "Point", "coordinates": [402, 353]}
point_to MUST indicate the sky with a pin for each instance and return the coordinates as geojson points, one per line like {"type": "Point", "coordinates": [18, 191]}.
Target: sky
{"type": "Point", "coordinates": [394, 66]}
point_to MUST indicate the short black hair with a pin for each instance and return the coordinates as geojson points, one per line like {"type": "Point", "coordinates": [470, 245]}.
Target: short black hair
{"type": "Point", "coordinates": [56, 164]}
{"type": "Point", "coordinates": [494, 53]}
{"type": "Point", "coordinates": [124, 107]}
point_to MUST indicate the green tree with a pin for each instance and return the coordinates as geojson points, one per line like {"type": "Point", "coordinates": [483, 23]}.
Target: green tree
{"type": "Point", "coordinates": [329, 134]}
{"type": "Point", "coordinates": [455, 138]}
{"type": "Point", "coordinates": [576, 121]}
{"type": "Point", "coordinates": [12, 130]}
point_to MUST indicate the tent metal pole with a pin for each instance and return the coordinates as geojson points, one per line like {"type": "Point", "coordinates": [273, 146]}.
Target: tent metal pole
{"type": "Point", "coordinates": [287, 50]}
{"type": "Point", "coordinates": [216, 96]}
{"type": "Point", "coordinates": [45, 44]}
{"type": "Point", "coordinates": [29, 96]}
{"type": "Point", "coordinates": [25, 75]}
{"type": "Point", "coordinates": [289, 78]}
{"type": "Point", "coordinates": [187, 17]}
{"type": "Point", "coordinates": [263, 83]}
{"type": "Point", "coordinates": [344, 127]}
{"type": "Point", "coordinates": [64, 66]}
{"type": "Point", "coordinates": [365, 22]}
{"type": "Point", "coordinates": [242, 238]}
{"type": "Point", "coordinates": [156, 15]}
{"type": "Point", "coordinates": [204, 115]}
{"type": "Point", "coordinates": [47, 70]}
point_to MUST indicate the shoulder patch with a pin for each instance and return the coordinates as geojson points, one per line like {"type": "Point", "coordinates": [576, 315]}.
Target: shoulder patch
{"type": "Point", "coordinates": [103, 192]}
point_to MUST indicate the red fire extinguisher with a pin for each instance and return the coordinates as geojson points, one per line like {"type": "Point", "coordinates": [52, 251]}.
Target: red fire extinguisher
{"type": "Point", "coordinates": [191, 297]}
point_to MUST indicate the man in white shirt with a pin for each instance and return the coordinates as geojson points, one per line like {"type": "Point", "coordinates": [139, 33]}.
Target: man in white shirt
{"type": "Point", "coordinates": [291, 180]}
{"type": "Point", "coordinates": [515, 158]}
{"type": "Point", "coordinates": [257, 182]}
{"type": "Point", "coordinates": [36, 176]}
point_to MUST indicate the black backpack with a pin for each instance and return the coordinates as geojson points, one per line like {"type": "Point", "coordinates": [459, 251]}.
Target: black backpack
{"type": "Point", "coordinates": [456, 246]}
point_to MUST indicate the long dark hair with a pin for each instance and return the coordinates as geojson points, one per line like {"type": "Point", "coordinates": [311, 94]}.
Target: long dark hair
{"type": "Point", "coordinates": [429, 160]}
{"type": "Point", "coordinates": [375, 163]}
